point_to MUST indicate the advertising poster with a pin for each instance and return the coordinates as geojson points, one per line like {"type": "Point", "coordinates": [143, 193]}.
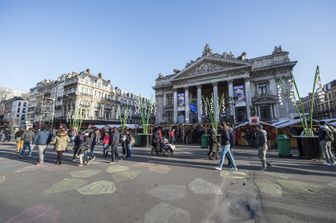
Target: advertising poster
{"type": "Point", "coordinates": [239, 94]}
{"type": "Point", "coordinates": [180, 102]}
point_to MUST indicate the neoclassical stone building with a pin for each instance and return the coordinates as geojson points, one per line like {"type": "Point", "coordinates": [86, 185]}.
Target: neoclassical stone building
{"type": "Point", "coordinates": [243, 87]}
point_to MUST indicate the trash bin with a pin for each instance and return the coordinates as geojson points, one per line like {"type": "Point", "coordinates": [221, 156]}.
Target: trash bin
{"type": "Point", "coordinates": [137, 140]}
{"type": "Point", "coordinates": [204, 141]}
{"type": "Point", "coordinates": [283, 144]}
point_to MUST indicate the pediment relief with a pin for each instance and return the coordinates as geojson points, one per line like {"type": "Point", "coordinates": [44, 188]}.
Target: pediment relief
{"type": "Point", "coordinates": [208, 66]}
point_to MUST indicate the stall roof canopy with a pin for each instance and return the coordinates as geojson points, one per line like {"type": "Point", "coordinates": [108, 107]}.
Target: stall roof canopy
{"type": "Point", "coordinates": [288, 122]}
{"type": "Point", "coordinates": [130, 126]}
{"type": "Point", "coordinates": [248, 124]}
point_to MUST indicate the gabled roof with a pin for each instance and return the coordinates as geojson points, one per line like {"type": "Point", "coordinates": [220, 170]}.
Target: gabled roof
{"type": "Point", "coordinates": [222, 64]}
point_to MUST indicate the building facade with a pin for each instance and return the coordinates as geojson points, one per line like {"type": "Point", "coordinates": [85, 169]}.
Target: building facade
{"type": "Point", "coordinates": [242, 87]}
{"type": "Point", "coordinates": [325, 108]}
{"type": "Point", "coordinates": [14, 111]}
{"type": "Point", "coordinates": [84, 95]}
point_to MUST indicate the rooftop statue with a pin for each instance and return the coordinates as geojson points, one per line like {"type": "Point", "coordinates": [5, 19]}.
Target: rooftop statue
{"type": "Point", "coordinates": [207, 51]}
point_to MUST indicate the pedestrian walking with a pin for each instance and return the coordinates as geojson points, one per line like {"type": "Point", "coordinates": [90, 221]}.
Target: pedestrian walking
{"type": "Point", "coordinates": [19, 141]}
{"type": "Point", "coordinates": [28, 138]}
{"type": "Point", "coordinates": [77, 142]}
{"type": "Point", "coordinates": [114, 146]}
{"type": "Point", "coordinates": [129, 143]}
{"type": "Point", "coordinates": [225, 142]}
{"type": "Point", "coordinates": [83, 150]}
{"type": "Point", "coordinates": [61, 143]}
{"type": "Point", "coordinates": [106, 143]}
{"type": "Point", "coordinates": [326, 137]}
{"type": "Point", "coordinates": [41, 141]}
{"type": "Point", "coordinates": [212, 142]}
{"type": "Point", "coordinates": [261, 143]}
{"type": "Point", "coordinates": [93, 139]}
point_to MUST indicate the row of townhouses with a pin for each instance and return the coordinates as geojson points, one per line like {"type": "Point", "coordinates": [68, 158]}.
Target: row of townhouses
{"type": "Point", "coordinates": [325, 107]}
{"type": "Point", "coordinates": [85, 95]}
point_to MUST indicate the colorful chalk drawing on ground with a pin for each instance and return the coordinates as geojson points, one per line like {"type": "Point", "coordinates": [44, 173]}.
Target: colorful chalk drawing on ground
{"type": "Point", "coordinates": [274, 174]}
{"type": "Point", "coordinates": [168, 192]}
{"type": "Point", "coordinates": [98, 187]}
{"type": "Point", "coordinates": [142, 164]}
{"type": "Point", "coordinates": [234, 175]}
{"type": "Point", "coordinates": [65, 185]}
{"type": "Point", "coordinates": [165, 213]}
{"type": "Point", "coordinates": [84, 173]}
{"type": "Point", "coordinates": [298, 186]}
{"type": "Point", "coordinates": [56, 168]}
{"type": "Point", "coordinates": [161, 169]}
{"type": "Point", "coordinates": [332, 184]}
{"type": "Point", "coordinates": [200, 186]}
{"type": "Point", "coordinates": [36, 213]}
{"type": "Point", "coordinates": [123, 176]}
{"type": "Point", "coordinates": [117, 168]}
{"type": "Point", "coordinates": [27, 169]}
{"type": "Point", "coordinates": [270, 188]}
{"type": "Point", "coordinates": [2, 179]}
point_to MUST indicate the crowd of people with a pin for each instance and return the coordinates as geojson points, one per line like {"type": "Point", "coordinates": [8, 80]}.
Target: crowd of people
{"type": "Point", "coordinates": [163, 137]}
{"type": "Point", "coordinates": [83, 143]}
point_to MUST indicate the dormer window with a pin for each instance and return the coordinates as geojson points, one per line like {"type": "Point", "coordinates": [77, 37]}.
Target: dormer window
{"type": "Point", "coordinates": [262, 88]}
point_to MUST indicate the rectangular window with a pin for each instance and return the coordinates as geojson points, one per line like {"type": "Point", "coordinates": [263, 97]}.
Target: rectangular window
{"type": "Point", "coordinates": [262, 88]}
{"type": "Point", "coordinates": [18, 110]}
{"type": "Point", "coordinates": [19, 104]}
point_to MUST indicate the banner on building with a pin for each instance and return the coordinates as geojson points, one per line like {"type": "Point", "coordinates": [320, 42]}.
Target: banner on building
{"type": "Point", "coordinates": [239, 94]}
{"type": "Point", "coordinates": [180, 102]}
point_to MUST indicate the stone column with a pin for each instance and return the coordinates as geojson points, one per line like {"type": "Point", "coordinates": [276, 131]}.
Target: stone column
{"type": "Point", "coordinates": [232, 101]}
{"type": "Point", "coordinates": [216, 102]}
{"type": "Point", "coordinates": [175, 106]}
{"type": "Point", "coordinates": [199, 103]}
{"type": "Point", "coordinates": [248, 97]}
{"type": "Point", "coordinates": [186, 101]}
{"type": "Point", "coordinates": [164, 100]}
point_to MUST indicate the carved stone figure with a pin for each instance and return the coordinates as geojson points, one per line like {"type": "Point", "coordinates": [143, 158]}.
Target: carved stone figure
{"type": "Point", "coordinates": [207, 51]}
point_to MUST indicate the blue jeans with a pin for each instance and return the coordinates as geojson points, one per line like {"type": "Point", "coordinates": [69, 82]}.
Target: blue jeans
{"type": "Point", "coordinates": [226, 150]}
{"type": "Point", "coordinates": [128, 151]}
{"type": "Point", "coordinates": [25, 145]}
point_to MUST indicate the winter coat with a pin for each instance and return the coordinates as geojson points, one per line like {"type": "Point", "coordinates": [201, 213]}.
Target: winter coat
{"type": "Point", "coordinates": [28, 136]}
{"type": "Point", "coordinates": [42, 137]}
{"type": "Point", "coordinates": [107, 139]}
{"type": "Point", "coordinates": [115, 139]}
{"type": "Point", "coordinates": [225, 137]}
{"type": "Point", "coordinates": [61, 141]}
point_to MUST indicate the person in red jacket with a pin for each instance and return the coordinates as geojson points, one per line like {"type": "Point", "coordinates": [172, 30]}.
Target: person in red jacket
{"type": "Point", "coordinates": [106, 143]}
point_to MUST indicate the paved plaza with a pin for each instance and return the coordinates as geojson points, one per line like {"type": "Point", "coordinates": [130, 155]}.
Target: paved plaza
{"type": "Point", "coordinates": [149, 189]}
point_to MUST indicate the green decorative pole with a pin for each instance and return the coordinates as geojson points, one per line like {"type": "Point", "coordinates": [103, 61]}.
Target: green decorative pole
{"type": "Point", "coordinates": [313, 97]}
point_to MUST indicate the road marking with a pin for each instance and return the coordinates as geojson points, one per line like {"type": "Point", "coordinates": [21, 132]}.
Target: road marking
{"type": "Point", "coordinates": [117, 168]}
{"type": "Point", "coordinates": [168, 192]}
{"type": "Point", "coordinates": [200, 186]}
{"type": "Point", "coordinates": [98, 187]}
{"type": "Point", "coordinates": [84, 173]}
{"type": "Point", "coordinates": [165, 213]}
{"type": "Point", "coordinates": [65, 185]}
{"type": "Point", "coordinates": [162, 169]}
{"type": "Point", "coordinates": [2, 179]}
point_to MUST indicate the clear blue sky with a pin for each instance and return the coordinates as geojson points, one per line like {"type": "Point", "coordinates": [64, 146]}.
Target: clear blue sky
{"type": "Point", "coordinates": [131, 42]}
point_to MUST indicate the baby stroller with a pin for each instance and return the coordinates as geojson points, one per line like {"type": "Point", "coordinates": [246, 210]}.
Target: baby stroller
{"type": "Point", "coordinates": [162, 147]}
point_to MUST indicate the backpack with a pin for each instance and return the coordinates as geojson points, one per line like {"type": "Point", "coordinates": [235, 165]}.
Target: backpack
{"type": "Point", "coordinates": [132, 142]}
{"type": "Point", "coordinates": [329, 136]}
